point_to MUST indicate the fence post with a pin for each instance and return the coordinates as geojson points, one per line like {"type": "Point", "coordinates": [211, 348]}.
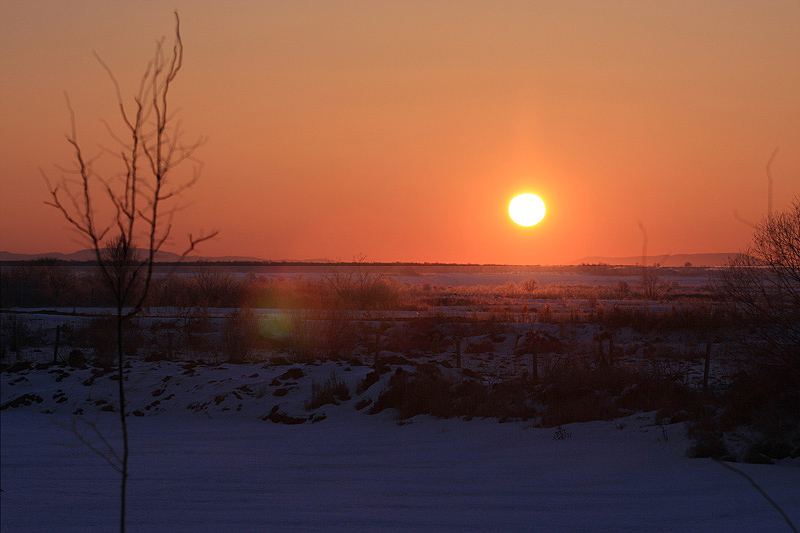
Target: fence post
{"type": "Point", "coordinates": [611, 350]}
{"type": "Point", "coordinates": [705, 367]}
{"type": "Point", "coordinates": [376, 355]}
{"type": "Point", "coordinates": [55, 349]}
{"type": "Point", "coordinates": [14, 342]}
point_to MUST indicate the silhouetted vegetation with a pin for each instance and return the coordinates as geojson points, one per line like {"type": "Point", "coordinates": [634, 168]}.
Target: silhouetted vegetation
{"type": "Point", "coordinates": [551, 353]}
{"type": "Point", "coordinates": [758, 416]}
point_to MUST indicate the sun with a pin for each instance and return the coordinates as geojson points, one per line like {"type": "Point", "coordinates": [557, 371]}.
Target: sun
{"type": "Point", "coordinates": [526, 209]}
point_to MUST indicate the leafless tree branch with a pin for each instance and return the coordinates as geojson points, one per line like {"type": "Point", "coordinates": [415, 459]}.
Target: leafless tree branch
{"type": "Point", "coordinates": [764, 284]}
{"type": "Point", "coordinates": [150, 150]}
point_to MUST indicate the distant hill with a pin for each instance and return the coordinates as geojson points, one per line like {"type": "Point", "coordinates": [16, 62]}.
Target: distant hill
{"type": "Point", "coordinates": [676, 260]}
{"type": "Point", "coordinates": [88, 255]}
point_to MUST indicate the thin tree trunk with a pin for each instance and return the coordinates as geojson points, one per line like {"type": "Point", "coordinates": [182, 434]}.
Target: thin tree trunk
{"type": "Point", "coordinates": [124, 472]}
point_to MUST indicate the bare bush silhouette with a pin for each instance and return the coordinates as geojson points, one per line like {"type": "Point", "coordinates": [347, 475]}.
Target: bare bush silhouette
{"type": "Point", "coordinates": [362, 289]}
{"type": "Point", "coordinates": [764, 284]}
{"type": "Point", "coordinates": [217, 288]}
{"type": "Point", "coordinates": [763, 287]}
{"type": "Point", "coordinates": [141, 198]}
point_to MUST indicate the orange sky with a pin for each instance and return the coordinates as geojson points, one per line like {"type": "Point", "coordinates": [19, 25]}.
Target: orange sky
{"type": "Point", "coordinates": [400, 130]}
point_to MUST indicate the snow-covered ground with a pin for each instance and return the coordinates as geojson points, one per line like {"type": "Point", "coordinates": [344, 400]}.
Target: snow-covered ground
{"type": "Point", "coordinates": [223, 447]}
{"type": "Point", "coordinates": [203, 458]}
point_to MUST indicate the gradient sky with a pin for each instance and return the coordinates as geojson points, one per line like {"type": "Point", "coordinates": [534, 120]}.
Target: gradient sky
{"type": "Point", "coordinates": [400, 130]}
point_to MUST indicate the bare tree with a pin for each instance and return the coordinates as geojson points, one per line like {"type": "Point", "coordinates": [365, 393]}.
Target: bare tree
{"type": "Point", "coordinates": [764, 284]}
{"type": "Point", "coordinates": [141, 198]}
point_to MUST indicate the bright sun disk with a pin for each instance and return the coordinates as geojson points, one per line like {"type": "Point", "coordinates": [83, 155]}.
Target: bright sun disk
{"type": "Point", "coordinates": [526, 209]}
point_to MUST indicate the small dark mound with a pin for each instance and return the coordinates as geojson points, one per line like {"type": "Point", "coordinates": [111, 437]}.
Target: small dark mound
{"type": "Point", "coordinates": [24, 400]}
{"type": "Point", "coordinates": [293, 373]}
{"type": "Point", "coordinates": [279, 417]}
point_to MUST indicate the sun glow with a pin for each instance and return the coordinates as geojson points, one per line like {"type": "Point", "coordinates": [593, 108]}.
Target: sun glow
{"type": "Point", "coordinates": [526, 209]}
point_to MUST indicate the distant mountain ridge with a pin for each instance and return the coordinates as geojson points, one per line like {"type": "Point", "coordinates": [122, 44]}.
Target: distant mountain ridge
{"type": "Point", "coordinates": [667, 260]}
{"type": "Point", "coordinates": [88, 255]}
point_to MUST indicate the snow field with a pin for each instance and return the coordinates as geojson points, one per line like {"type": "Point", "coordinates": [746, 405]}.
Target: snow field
{"type": "Point", "coordinates": [221, 469]}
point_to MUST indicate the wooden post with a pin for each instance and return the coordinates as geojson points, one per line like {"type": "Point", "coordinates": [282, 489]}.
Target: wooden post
{"type": "Point", "coordinates": [705, 367]}
{"type": "Point", "coordinates": [611, 351]}
{"type": "Point", "coordinates": [458, 352]}
{"type": "Point", "coordinates": [376, 357]}
{"type": "Point", "coordinates": [55, 348]}
{"type": "Point", "coordinates": [535, 359]}
{"type": "Point", "coordinates": [14, 345]}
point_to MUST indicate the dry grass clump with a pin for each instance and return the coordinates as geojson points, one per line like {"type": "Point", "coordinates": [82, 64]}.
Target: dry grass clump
{"type": "Point", "coordinates": [332, 391]}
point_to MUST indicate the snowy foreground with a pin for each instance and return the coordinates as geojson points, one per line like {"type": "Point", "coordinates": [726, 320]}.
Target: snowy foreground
{"type": "Point", "coordinates": [203, 459]}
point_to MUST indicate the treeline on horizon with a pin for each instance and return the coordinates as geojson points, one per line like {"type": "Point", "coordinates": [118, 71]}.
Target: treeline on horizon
{"type": "Point", "coordinates": [403, 268]}
{"type": "Point", "coordinates": [372, 286]}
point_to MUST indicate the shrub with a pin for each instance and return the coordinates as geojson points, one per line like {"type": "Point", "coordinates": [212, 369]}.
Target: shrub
{"type": "Point", "coordinates": [573, 392]}
{"type": "Point", "coordinates": [216, 287]}
{"type": "Point", "coordinates": [767, 404]}
{"type": "Point", "coordinates": [764, 285]}
{"type": "Point", "coordinates": [428, 391]}
{"type": "Point", "coordinates": [338, 335]}
{"type": "Point", "coordinates": [239, 334]}
{"type": "Point", "coordinates": [304, 336]}
{"type": "Point", "coordinates": [529, 285]}
{"type": "Point", "coordinates": [415, 394]}
{"type": "Point", "coordinates": [362, 288]}
{"type": "Point", "coordinates": [101, 337]}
